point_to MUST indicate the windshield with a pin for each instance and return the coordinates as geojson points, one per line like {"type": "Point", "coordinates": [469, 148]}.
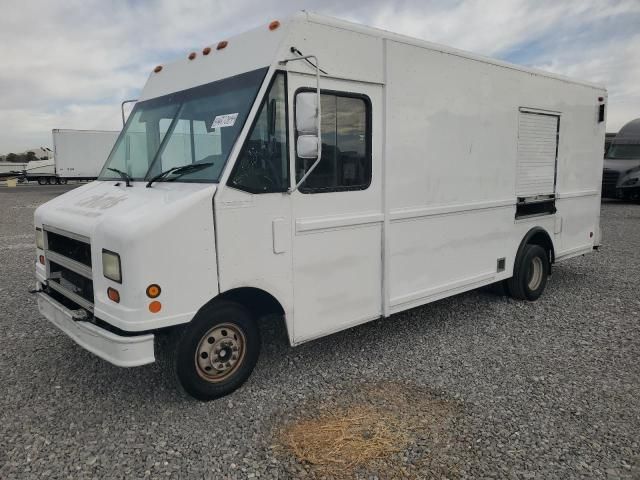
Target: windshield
{"type": "Point", "coordinates": [199, 125]}
{"type": "Point", "coordinates": [624, 151]}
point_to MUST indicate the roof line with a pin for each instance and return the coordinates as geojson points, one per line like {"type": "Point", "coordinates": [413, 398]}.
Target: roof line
{"type": "Point", "coordinates": [407, 40]}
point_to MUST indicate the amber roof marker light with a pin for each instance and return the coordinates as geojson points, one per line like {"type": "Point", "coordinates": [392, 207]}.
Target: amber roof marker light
{"type": "Point", "coordinates": [222, 45]}
{"type": "Point", "coordinates": [206, 50]}
{"type": "Point", "coordinates": [158, 69]}
{"type": "Point", "coordinates": [192, 55]}
{"type": "Point", "coordinates": [273, 25]}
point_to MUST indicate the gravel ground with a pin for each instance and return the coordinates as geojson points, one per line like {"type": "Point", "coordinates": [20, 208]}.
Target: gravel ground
{"type": "Point", "coordinates": [516, 390]}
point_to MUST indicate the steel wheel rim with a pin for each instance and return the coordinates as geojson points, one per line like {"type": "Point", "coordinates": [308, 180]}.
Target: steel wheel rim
{"type": "Point", "coordinates": [220, 352]}
{"type": "Point", "coordinates": [536, 272]}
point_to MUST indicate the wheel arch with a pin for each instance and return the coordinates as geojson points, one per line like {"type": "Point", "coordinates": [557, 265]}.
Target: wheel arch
{"type": "Point", "coordinates": [258, 301]}
{"type": "Point", "coordinates": [538, 236]}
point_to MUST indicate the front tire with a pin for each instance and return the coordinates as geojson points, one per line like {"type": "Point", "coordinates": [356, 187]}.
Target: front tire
{"type": "Point", "coordinates": [215, 354]}
{"type": "Point", "coordinates": [530, 274]}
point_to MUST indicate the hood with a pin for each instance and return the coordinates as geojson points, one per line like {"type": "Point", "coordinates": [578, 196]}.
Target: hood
{"type": "Point", "coordinates": [83, 209]}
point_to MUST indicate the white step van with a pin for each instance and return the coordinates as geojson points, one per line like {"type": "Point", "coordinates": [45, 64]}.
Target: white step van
{"type": "Point", "coordinates": [233, 194]}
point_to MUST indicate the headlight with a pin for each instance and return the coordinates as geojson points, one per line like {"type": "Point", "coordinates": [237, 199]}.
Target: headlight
{"type": "Point", "coordinates": [39, 239]}
{"type": "Point", "coordinates": [111, 266]}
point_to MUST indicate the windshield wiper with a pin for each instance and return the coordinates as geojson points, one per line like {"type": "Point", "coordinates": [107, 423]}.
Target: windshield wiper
{"type": "Point", "coordinates": [125, 176]}
{"type": "Point", "coordinates": [178, 171]}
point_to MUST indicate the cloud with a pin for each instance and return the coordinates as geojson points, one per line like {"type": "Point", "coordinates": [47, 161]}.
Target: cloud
{"type": "Point", "coordinates": [70, 64]}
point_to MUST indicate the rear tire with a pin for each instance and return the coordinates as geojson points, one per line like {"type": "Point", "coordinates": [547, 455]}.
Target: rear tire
{"type": "Point", "coordinates": [530, 274]}
{"type": "Point", "coordinates": [41, 181]}
{"type": "Point", "coordinates": [216, 352]}
{"type": "Point", "coordinates": [47, 180]}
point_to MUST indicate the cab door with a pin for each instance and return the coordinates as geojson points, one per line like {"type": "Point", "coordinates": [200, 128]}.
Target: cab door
{"type": "Point", "coordinates": [337, 214]}
{"type": "Point", "coordinates": [253, 211]}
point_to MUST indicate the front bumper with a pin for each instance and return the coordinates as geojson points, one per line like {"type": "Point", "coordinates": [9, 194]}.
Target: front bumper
{"type": "Point", "coordinates": [123, 351]}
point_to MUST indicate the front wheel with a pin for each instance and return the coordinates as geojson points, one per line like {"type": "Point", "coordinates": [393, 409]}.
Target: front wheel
{"type": "Point", "coordinates": [530, 273]}
{"type": "Point", "coordinates": [215, 354]}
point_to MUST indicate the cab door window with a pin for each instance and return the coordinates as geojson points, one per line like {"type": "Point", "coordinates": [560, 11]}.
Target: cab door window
{"type": "Point", "coordinates": [262, 166]}
{"type": "Point", "coordinates": [346, 146]}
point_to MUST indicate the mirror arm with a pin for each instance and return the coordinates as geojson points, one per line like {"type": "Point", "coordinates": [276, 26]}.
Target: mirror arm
{"type": "Point", "coordinates": [318, 119]}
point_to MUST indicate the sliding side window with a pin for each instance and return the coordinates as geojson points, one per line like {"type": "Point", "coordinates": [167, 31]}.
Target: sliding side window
{"type": "Point", "coordinates": [346, 146]}
{"type": "Point", "coordinates": [263, 166]}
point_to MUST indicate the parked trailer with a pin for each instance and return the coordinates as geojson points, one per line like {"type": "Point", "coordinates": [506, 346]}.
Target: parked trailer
{"type": "Point", "coordinates": [8, 169]}
{"type": "Point", "coordinates": [80, 154]}
{"type": "Point", "coordinates": [42, 171]}
{"type": "Point", "coordinates": [439, 172]}
{"type": "Point", "coordinates": [77, 155]}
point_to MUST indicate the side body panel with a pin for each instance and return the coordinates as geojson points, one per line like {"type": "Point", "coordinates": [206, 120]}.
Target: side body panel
{"type": "Point", "coordinates": [451, 157]}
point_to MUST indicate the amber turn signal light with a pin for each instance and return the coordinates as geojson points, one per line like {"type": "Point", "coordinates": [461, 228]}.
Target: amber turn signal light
{"type": "Point", "coordinates": [155, 306]}
{"type": "Point", "coordinates": [113, 295]}
{"type": "Point", "coordinates": [153, 291]}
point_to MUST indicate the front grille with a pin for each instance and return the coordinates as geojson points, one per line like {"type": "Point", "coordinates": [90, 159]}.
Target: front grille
{"type": "Point", "coordinates": [68, 262]}
{"type": "Point", "coordinates": [69, 247]}
{"type": "Point", "coordinates": [72, 281]}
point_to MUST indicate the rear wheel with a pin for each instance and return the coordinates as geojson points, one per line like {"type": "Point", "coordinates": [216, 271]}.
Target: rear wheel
{"type": "Point", "coordinates": [530, 273]}
{"type": "Point", "coordinates": [63, 181]}
{"type": "Point", "coordinates": [47, 180]}
{"type": "Point", "coordinates": [42, 180]}
{"type": "Point", "coordinates": [215, 354]}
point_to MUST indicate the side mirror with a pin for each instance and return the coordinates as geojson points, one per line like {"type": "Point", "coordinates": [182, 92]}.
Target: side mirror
{"type": "Point", "coordinates": [307, 146]}
{"type": "Point", "coordinates": [307, 124]}
{"type": "Point", "coordinates": [308, 116]}
{"type": "Point", "coordinates": [307, 113]}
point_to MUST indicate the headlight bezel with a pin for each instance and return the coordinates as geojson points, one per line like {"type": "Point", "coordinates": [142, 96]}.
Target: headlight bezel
{"type": "Point", "coordinates": [39, 238]}
{"type": "Point", "coordinates": [111, 266]}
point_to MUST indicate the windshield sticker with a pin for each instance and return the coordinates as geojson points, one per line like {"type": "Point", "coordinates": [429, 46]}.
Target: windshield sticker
{"type": "Point", "coordinates": [227, 120]}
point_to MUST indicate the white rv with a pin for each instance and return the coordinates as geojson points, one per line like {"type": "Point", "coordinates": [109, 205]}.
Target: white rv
{"type": "Point", "coordinates": [438, 172]}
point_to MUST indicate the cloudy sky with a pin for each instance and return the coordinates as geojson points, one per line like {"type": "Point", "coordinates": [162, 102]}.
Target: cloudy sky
{"type": "Point", "coordinates": [69, 64]}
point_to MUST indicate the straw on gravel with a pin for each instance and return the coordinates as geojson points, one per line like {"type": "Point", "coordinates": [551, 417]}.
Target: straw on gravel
{"type": "Point", "coordinates": [348, 438]}
{"type": "Point", "coordinates": [375, 431]}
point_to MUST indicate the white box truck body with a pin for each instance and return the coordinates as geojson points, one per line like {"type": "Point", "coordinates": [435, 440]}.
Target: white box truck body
{"type": "Point", "coordinates": [80, 154]}
{"type": "Point", "coordinates": [439, 172]}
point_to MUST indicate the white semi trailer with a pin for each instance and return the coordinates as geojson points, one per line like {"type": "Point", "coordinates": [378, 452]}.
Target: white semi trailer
{"type": "Point", "coordinates": [77, 155]}
{"type": "Point", "coordinates": [233, 193]}
{"type": "Point", "coordinates": [80, 154]}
